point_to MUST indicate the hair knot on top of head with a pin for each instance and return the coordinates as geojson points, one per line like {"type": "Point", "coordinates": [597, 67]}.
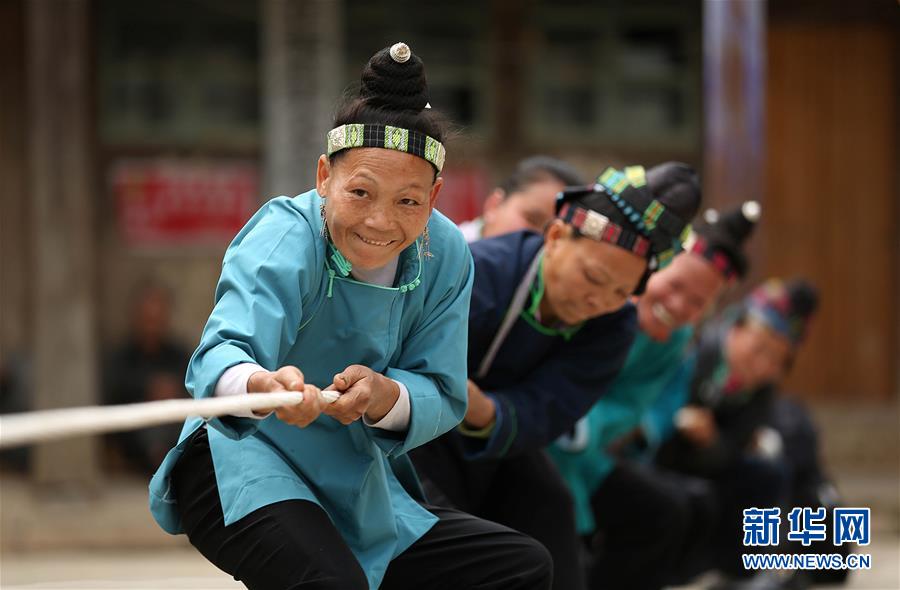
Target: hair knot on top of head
{"type": "Point", "coordinates": [400, 52]}
{"type": "Point", "coordinates": [711, 216]}
{"type": "Point", "coordinates": [722, 236]}
{"type": "Point", "coordinates": [394, 79]}
{"type": "Point", "coordinates": [751, 211]}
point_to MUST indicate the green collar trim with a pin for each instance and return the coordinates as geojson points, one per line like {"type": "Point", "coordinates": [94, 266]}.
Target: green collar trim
{"type": "Point", "coordinates": [529, 314]}
{"type": "Point", "coordinates": [339, 267]}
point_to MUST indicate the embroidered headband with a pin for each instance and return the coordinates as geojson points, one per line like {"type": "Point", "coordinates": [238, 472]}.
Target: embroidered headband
{"type": "Point", "coordinates": [354, 135]}
{"type": "Point", "coordinates": [629, 192]}
{"type": "Point", "coordinates": [661, 230]}
{"type": "Point", "coordinates": [697, 244]}
{"type": "Point", "coordinates": [771, 304]}
{"type": "Point", "coordinates": [599, 227]}
{"type": "Point", "coordinates": [666, 256]}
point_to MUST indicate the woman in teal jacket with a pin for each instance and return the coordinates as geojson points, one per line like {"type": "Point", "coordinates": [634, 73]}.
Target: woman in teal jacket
{"type": "Point", "coordinates": [361, 288]}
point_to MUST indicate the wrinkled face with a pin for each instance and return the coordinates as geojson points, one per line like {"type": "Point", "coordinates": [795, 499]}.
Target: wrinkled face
{"type": "Point", "coordinates": [532, 208]}
{"type": "Point", "coordinates": [756, 354]}
{"type": "Point", "coordinates": [377, 202]}
{"type": "Point", "coordinates": [584, 278]}
{"type": "Point", "coordinates": [678, 295]}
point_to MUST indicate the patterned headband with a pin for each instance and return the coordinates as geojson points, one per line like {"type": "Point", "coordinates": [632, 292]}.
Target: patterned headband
{"type": "Point", "coordinates": [770, 303]}
{"type": "Point", "coordinates": [697, 244]}
{"type": "Point", "coordinates": [666, 257]}
{"type": "Point", "coordinates": [628, 191]}
{"type": "Point", "coordinates": [354, 135]}
{"type": "Point", "coordinates": [598, 227]}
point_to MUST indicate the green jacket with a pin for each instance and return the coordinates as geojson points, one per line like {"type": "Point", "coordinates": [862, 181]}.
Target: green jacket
{"type": "Point", "coordinates": [582, 456]}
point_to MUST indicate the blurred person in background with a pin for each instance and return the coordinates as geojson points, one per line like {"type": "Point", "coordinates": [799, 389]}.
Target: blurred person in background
{"type": "Point", "coordinates": [149, 365]}
{"type": "Point", "coordinates": [550, 325]}
{"type": "Point", "coordinates": [792, 437]}
{"type": "Point", "coordinates": [640, 524]}
{"type": "Point", "coordinates": [15, 396]}
{"type": "Point", "coordinates": [721, 434]}
{"type": "Point", "coordinates": [525, 200]}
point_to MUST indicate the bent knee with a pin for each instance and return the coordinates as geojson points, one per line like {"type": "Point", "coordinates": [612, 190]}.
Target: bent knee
{"type": "Point", "coordinates": [536, 564]}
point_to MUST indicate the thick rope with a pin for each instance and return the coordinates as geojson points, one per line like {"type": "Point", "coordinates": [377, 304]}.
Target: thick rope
{"type": "Point", "coordinates": [31, 427]}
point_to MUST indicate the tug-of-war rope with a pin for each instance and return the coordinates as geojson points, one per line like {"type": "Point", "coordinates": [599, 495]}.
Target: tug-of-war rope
{"type": "Point", "coordinates": [32, 427]}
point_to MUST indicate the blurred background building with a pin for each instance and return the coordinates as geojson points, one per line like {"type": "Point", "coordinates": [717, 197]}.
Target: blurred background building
{"type": "Point", "coordinates": [138, 136]}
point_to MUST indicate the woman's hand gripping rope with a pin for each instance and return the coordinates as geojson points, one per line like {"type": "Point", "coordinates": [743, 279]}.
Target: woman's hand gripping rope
{"type": "Point", "coordinates": [291, 379]}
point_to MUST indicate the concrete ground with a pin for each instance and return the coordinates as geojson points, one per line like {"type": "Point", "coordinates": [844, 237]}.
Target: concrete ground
{"type": "Point", "coordinates": [149, 569]}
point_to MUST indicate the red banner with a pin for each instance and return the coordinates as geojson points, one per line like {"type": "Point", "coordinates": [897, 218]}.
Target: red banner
{"type": "Point", "coordinates": [165, 202]}
{"type": "Point", "coordinates": [463, 193]}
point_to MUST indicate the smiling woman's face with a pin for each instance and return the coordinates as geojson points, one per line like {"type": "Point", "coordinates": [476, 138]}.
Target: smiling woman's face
{"type": "Point", "coordinates": [377, 202]}
{"type": "Point", "coordinates": [678, 295]}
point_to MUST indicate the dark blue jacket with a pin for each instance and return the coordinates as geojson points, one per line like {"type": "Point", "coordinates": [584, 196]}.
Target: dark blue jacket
{"type": "Point", "coordinates": [542, 384]}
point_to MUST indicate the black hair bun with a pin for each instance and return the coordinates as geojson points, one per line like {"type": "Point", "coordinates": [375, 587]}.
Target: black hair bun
{"type": "Point", "coordinates": [677, 186]}
{"type": "Point", "coordinates": [739, 223]}
{"type": "Point", "coordinates": [394, 80]}
{"type": "Point", "coordinates": [727, 233]}
{"type": "Point", "coordinates": [393, 92]}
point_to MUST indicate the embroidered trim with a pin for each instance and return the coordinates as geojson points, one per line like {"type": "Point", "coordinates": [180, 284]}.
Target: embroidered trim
{"type": "Point", "coordinates": [598, 227]}
{"type": "Point", "coordinates": [697, 244]}
{"type": "Point", "coordinates": [354, 135]}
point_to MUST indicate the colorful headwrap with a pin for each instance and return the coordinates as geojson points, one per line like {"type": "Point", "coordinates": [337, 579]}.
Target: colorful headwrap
{"type": "Point", "coordinates": [784, 308]}
{"type": "Point", "coordinates": [720, 239]}
{"type": "Point", "coordinates": [384, 136]}
{"type": "Point", "coordinates": [628, 190]}
{"type": "Point", "coordinates": [599, 227]}
{"type": "Point", "coordinates": [697, 244]}
{"type": "Point", "coordinates": [656, 232]}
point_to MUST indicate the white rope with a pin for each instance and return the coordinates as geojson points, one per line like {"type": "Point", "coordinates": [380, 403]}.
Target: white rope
{"type": "Point", "coordinates": [31, 427]}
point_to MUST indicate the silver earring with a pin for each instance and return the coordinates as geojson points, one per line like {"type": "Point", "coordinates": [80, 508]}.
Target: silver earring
{"type": "Point", "coordinates": [426, 243]}
{"type": "Point", "coordinates": [324, 231]}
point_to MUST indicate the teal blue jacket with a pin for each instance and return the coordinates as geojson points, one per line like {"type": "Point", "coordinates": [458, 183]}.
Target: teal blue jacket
{"type": "Point", "coordinates": [281, 301]}
{"type": "Point", "coordinates": [582, 457]}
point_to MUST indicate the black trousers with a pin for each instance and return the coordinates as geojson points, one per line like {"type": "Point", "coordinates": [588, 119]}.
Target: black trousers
{"type": "Point", "coordinates": [649, 526]}
{"type": "Point", "coordinates": [294, 545]}
{"type": "Point", "coordinates": [524, 492]}
{"type": "Point", "coordinates": [748, 482]}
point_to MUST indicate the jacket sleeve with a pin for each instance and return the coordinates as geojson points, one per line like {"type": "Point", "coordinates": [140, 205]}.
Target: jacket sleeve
{"type": "Point", "coordinates": [432, 364]}
{"type": "Point", "coordinates": [257, 304]}
{"type": "Point", "coordinates": [551, 399]}
{"type": "Point", "coordinates": [648, 370]}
